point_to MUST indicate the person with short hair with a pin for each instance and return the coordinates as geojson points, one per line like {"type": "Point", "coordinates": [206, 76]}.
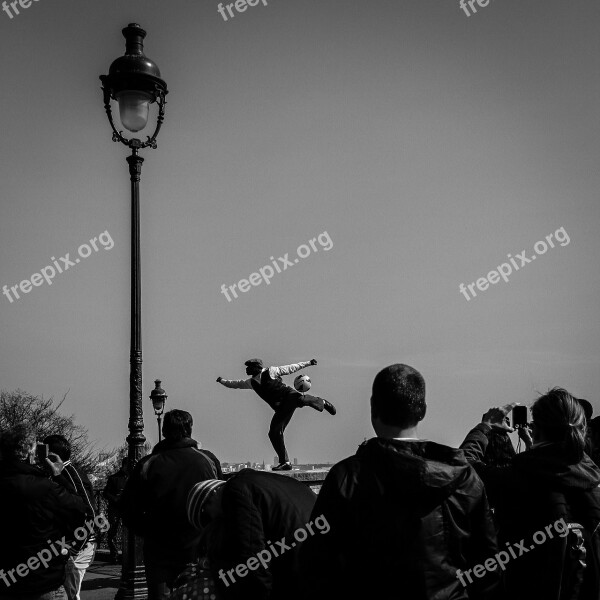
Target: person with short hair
{"type": "Point", "coordinates": [407, 515]}
{"type": "Point", "coordinates": [283, 399]}
{"type": "Point", "coordinates": [77, 482]}
{"type": "Point", "coordinates": [38, 515]}
{"type": "Point", "coordinates": [153, 503]}
{"type": "Point", "coordinates": [554, 482]}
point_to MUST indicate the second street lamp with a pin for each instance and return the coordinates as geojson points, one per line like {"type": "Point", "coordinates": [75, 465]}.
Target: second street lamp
{"type": "Point", "coordinates": [134, 81]}
{"type": "Point", "coordinates": [158, 397]}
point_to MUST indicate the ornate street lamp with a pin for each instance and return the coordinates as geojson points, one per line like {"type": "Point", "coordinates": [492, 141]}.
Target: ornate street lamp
{"type": "Point", "coordinates": [158, 397]}
{"type": "Point", "coordinates": [134, 82]}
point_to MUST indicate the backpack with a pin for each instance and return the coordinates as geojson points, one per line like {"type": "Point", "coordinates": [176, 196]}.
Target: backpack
{"type": "Point", "coordinates": [575, 557]}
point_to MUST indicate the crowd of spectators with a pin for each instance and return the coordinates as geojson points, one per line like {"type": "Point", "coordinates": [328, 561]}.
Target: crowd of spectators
{"type": "Point", "coordinates": [404, 517]}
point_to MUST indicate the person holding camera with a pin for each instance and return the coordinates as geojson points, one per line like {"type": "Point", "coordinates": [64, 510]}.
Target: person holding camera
{"type": "Point", "coordinates": [554, 481]}
{"type": "Point", "coordinates": [38, 515]}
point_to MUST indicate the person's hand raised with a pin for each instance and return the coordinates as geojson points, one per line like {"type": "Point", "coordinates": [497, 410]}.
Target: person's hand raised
{"type": "Point", "coordinates": [497, 417]}
{"type": "Point", "coordinates": [54, 464]}
{"type": "Point", "coordinates": [525, 434]}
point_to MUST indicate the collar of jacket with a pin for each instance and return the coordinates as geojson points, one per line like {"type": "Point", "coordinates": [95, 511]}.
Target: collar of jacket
{"type": "Point", "coordinates": [431, 471]}
{"type": "Point", "coordinates": [167, 445]}
{"type": "Point", "coordinates": [547, 463]}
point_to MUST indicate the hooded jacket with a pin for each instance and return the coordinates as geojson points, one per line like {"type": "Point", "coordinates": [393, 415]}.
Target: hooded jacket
{"type": "Point", "coordinates": [539, 488]}
{"type": "Point", "coordinates": [39, 517]}
{"type": "Point", "coordinates": [404, 516]}
{"type": "Point", "coordinates": [153, 503]}
{"type": "Point", "coordinates": [261, 513]}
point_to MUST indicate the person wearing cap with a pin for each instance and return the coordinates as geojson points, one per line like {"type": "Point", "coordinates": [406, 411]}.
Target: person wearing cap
{"type": "Point", "coordinates": [283, 399]}
{"type": "Point", "coordinates": [153, 502]}
{"type": "Point", "coordinates": [248, 524]}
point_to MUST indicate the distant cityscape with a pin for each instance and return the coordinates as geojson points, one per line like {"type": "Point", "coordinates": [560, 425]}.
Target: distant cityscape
{"type": "Point", "coordinates": [110, 463]}
{"type": "Point", "coordinates": [232, 467]}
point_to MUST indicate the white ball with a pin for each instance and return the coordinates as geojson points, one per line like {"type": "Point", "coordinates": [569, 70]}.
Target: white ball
{"type": "Point", "coordinates": [302, 383]}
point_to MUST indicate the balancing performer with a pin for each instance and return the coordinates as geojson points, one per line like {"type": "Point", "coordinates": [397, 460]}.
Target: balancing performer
{"type": "Point", "coordinates": [283, 399]}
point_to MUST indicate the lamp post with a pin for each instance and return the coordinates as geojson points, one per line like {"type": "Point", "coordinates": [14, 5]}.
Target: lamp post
{"type": "Point", "coordinates": [134, 82]}
{"type": "Point", "coordinates": [158, 397]}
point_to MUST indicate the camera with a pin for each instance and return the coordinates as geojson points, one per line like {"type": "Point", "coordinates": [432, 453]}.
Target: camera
{"type": "Point", "coordinates": [519, 416]}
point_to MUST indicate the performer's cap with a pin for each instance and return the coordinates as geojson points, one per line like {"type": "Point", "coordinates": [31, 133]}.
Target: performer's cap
{"type": "Point", "coordinates": [254, 362]}
{"type": "Point", "coordinates": [198, 497]}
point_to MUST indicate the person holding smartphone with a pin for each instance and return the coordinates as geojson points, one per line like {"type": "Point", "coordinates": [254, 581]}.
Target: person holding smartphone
{"type": "Point", "coordinates": [37, 514]}
{"type": "Point", "coordinates": [553, 480]}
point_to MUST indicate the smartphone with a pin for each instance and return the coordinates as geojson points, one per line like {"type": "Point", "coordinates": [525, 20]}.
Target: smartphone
{"type": "Point", "coordinates": [41, 451]}
{"type": "Point", "coordinates": [519, 416]}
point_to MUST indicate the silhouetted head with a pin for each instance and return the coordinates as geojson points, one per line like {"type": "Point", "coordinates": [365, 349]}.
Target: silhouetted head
{"type": "Point", "coordinates": [588, 409]}
{"type": "Point", "coordinates": [254, 366]}
{"type": "Point", "coordinates": [558, 417]}
{"type": "Point", "coordinates": [17, 443]}
{"type": "Point", "coordinates": [59, 444]}
{"type": "Point", "coordinates": [398, 397]}
{"type": "Point", "coordinates": [500, 450]}
{"type": "Point", "coordinates": [177, 424]}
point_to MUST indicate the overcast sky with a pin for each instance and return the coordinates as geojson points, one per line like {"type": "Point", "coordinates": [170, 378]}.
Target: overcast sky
{"type": "Point", "coordinates": [426, 143]}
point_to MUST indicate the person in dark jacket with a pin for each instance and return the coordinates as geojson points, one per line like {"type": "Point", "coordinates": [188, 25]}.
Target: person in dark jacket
{"type": "Point", "coordinates": [551, 484]}
{"type": "Point", "coordinates": [253, 526]}
{"type": "Point", "coordinates": [407, 516]}
{"type": "Point", "coordinates": [39, 515]}
{"type": "Point", "coordinates": [115, 484]}
{"type": "Point", "coordinates": [77, 482]}
{"type": "Point", "coordinates": [153, 503]}
{"type": "Point", "coordinates": [283, 399]}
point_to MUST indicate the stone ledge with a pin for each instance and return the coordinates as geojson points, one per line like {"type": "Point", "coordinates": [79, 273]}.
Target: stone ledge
{"type": "Point", "coordinates": [316, 475]}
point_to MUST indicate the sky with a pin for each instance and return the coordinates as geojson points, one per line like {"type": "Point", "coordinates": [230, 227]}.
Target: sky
{"type": "Point", "coordinates": [415, 145]}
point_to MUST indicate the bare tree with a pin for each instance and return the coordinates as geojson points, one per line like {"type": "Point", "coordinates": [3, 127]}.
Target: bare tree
{"type": "Point", "coordinates": [42, 414]}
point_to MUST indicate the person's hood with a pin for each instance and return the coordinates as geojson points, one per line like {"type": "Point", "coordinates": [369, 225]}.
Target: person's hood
{"type": "Point", "coordinates": [167, 445]}
{"type": "Point", "coordinates": [420, 472]}
{"type": "Point", "coordinates": [549, 465]}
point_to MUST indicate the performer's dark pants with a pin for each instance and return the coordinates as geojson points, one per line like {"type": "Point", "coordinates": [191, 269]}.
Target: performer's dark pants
{"type": "Point", "coordinates": [283, 414]}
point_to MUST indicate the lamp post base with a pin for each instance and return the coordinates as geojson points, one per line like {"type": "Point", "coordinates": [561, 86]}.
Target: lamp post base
{"type": "Point", "coordinates": [133, 576]}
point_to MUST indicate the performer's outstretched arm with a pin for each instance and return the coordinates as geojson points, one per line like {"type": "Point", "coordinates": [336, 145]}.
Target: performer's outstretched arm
{"type": "Point", "coordinates": [238, 384]}
{"type": "Point", "coordinates": [289, 369]}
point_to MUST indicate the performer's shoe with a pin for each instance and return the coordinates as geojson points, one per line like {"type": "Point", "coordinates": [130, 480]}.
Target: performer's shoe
{"type": "Point", "coordinates": [330, 408]}
{"type": "Point", "coordinates": [286, 466]}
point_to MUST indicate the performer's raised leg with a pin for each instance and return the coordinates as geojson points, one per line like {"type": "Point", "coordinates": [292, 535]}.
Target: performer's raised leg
{"type": "Point", "coordinates": [316, 403]}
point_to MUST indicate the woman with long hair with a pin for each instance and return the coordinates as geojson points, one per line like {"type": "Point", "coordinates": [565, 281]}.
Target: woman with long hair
{"type": "Point", "coordinates": [547, 501]}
